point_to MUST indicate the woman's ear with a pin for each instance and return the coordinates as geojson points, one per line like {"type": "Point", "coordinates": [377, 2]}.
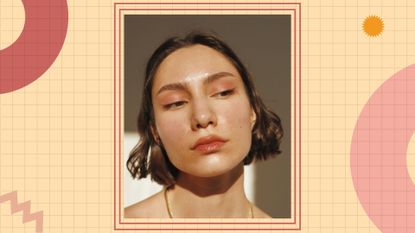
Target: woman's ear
{"type": "Point", "coordinates": [155, 134]}
{"type": "Point", "coordinates": [253, 118]}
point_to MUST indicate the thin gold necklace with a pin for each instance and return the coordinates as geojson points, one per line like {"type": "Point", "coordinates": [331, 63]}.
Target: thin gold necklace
{"type": "Point", "coordinates": [251, 209]}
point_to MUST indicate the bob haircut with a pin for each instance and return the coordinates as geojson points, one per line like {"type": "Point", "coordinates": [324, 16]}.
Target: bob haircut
{"type": "Point", "coordinates": [149, 155]}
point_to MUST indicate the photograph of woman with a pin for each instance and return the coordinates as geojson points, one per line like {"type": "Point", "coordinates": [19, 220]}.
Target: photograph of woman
{"type": "Point", "coordinates": [200, 122]}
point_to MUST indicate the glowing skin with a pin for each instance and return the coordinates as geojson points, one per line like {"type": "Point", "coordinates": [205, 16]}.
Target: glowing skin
{"type": "Point", "coordinates": [197, 92]}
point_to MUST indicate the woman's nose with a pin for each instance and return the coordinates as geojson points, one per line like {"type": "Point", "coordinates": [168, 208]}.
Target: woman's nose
{"type": "Point", "coordinates": [202, 114]}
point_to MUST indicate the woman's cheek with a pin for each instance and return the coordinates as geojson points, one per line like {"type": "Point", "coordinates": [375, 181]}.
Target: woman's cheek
{"type": "Point", "coordinates": [238, 113]}
{"type": "Point", "coordinates": [171, 127]}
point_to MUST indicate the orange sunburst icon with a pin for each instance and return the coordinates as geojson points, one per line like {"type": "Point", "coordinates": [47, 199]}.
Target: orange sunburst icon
{"type": "Point", "coordinates": [373, 25]}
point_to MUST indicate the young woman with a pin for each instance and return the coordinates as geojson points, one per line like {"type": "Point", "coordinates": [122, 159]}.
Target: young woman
{"type": "Point", "coordinates": [201, 120]}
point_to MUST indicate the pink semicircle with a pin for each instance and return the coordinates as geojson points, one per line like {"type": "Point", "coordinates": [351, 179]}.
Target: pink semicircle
{"type": "Point", "coordinates": [38, 45]}
{"type": "Point", "coordinates": [378, 154]}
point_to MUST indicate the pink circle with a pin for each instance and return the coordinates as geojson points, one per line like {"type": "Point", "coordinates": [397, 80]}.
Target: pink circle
{"type": "Point", "coordinates": [378, 154]}
{"type": "Point", "coordinates": [38, 45]}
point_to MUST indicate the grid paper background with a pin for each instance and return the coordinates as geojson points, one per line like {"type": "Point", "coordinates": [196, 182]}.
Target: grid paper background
{"type": "Point", "coordinates": [56, 134]}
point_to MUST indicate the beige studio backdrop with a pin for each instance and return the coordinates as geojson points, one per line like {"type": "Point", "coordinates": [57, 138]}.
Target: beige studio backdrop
{"type": "Point", "coordinates": [62, 136]}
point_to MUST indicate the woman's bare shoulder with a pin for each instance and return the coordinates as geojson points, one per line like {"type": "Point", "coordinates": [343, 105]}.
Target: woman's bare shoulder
{"type": "Point", "coordinates": [152, 207]}
{"type": "Point", "coordinates": [258, 213]}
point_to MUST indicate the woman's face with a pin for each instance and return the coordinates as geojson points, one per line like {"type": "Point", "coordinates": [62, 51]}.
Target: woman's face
{"type": "Point", "coordinates": [202, 113]}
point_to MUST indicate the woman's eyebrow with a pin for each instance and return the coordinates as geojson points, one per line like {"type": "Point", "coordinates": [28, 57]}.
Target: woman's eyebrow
{"type": "Point", "coordinates": [184, 87]}
{"type": "Point", "coordinates": [216, 76]}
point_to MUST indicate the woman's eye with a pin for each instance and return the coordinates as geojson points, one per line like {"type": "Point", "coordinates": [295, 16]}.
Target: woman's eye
{"type": "Point", "coordinates": [225, 93]}
{"type": "Point", "coordinates": [174, 105]}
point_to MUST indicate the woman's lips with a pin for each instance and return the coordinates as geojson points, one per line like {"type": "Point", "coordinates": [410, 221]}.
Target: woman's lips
{"type": "Point", "coordinates": [209, 147]}
{"type": "Point", "coordinates": [209, 144]}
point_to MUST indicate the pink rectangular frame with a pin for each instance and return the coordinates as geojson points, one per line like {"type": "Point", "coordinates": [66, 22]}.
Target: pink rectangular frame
{"type": "Point", "coordinates": [130, 6]}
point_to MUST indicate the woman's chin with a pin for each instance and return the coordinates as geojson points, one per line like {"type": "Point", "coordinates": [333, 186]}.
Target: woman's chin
{"type": "Point", "coordinates": [211, 170]}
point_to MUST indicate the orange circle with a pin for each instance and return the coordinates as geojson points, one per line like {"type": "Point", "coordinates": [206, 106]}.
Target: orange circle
{"type": "Point", "coordinates": [373, 25]}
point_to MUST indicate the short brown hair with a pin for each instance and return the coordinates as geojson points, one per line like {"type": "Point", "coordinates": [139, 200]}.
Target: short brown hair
{"type": "Point", "coordinates": [266, 134]}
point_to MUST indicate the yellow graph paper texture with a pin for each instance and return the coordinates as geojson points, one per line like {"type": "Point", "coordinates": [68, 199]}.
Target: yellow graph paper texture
{"type": "Point", "coordinates": [59, 135]}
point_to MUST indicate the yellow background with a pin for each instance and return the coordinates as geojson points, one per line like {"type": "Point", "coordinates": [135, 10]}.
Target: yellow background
{"type": "Point", "coordinates": [56, 137]}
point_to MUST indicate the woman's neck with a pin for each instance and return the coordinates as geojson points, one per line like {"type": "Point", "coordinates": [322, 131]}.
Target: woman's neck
{"type": "Point", "coordinates": [220, 196]}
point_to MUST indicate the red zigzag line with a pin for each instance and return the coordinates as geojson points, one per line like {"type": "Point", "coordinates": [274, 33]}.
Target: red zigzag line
{"type": "Point", "coordinates": [25, 208]}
